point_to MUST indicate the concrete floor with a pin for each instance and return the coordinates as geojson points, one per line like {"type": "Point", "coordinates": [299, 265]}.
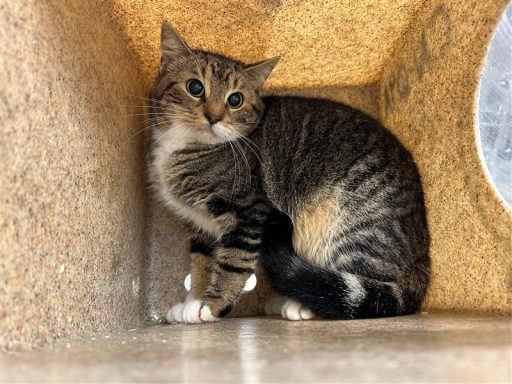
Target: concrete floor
{"type": "Point", "coordinates": [419, 348]}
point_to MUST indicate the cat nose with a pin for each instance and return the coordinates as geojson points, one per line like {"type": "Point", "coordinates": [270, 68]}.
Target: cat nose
{"type": "Point", "coordinates": [212, 117]}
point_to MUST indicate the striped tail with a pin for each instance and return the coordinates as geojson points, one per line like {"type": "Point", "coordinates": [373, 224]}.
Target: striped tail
{"type": "Point", "coordinates": [331, 294]}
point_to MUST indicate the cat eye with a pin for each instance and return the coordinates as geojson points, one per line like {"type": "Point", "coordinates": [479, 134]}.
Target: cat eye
{"type": "Point", "coordinates": [195, 87]}
{"type": "Point", "coordinates": [235, 100]}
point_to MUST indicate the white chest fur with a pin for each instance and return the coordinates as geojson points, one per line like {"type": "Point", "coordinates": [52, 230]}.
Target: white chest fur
{"type": "Point", "coordinates": [166, 144]}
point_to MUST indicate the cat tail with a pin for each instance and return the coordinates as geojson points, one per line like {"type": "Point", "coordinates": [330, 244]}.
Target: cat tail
{"type": "Point", "coordinates": [332, 294]}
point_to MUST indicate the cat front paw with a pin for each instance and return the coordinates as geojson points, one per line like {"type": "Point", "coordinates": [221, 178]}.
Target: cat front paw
{"type": "Point", "coordinates": [190, 312]}
{"type": "Point", "coordinates": [175, 314]}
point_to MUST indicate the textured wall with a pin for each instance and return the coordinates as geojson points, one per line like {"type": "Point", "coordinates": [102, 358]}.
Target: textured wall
{"type": "Point", "coordinates": [428, 98]}
{"type": "Point", "coordinates": [71, 187]}
{"type": "Point", "coordinates": [352, 39]}
{"type": "Point", "coordinates": [415, 64]}
{"type": "Point", "coordinates": [71, 192]}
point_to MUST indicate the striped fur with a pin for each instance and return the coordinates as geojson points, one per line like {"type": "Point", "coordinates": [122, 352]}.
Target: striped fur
{"type": "Point", "coordinates": [322, 195]}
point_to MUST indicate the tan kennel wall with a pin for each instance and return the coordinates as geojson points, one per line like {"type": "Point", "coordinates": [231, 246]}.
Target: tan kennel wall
{"type": "Point", "coordinates": [428, 98]}
{"type": "Point", "coordinates": [361, 53]}
{"type": "Point", "coordinates": [71, 191]}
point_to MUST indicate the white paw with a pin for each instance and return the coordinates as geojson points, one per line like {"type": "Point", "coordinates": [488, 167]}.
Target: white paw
{"type": "Point", "coordinates": [292, 310]}
{"type": "Point", "coordinates": [274, 305]}
{"type": "Point", "coordinates": [191, 312]}
{"type": "Point", "coordinates": [205, 314]}
{"type": "Point", "coordinates": [175, 314]}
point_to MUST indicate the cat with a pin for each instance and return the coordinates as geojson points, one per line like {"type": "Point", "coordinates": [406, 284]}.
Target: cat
{"type": "Point", "coordinates": [318, 193]}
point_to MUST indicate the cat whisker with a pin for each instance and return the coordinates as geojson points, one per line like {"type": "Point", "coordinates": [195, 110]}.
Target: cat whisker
{"type": "Point", "coordinates": [147, 114]}
{"type": "Point", "coordinates": [135, 134]}
{"type": "Point", "coordinates": [248, 142]}
{"type": "Point", "coordinates": [180, 130]}
{"type": "Point", "coordinates": [236, 169]}
{"type": "Point", "coordinates": [153, 123]}
{"type": "Point", "coordinates": [148, 99]}
{"type": "Point", "coordinates": [177, 135]}
{"type": "Point", "coordinates": [148, 106]}
{"type": "Point", "coordinates": [244, 157]}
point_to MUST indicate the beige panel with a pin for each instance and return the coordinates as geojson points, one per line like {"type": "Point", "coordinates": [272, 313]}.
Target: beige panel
{"type": "Point", "coordinates": [324, 43]}
{"type": "Point", "coordinates": [428, 99]}
{"type": "Point", "coordinates": [71, 190]}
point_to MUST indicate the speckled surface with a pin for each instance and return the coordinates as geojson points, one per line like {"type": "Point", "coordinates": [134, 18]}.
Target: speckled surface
{"type": "Point", "coordinates": [72, 228]}
{"type": "Point", "coordinates": [412, 349]}
{"type": "Point", "coordinates": [428, 99]}
{"type": "Point", "coordinates": [340, 34]}
{"type": "Point", "coordinates": [71, 192]}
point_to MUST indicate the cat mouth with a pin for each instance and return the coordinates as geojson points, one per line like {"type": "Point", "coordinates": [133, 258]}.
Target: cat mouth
{"type": "Point", "coordinates": [212, 129]}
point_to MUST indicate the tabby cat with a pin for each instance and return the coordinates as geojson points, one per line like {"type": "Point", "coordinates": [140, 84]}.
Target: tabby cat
{"type": "Point", "coordinates": [318, 193]}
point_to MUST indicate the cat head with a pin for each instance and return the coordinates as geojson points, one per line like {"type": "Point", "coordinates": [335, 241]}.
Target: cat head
{"type": "Point", "coordinates": [204, 96]}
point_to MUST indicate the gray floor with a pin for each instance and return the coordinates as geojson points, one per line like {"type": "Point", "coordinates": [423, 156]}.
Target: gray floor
{"type": "Point", "coordinates": [420, 348]}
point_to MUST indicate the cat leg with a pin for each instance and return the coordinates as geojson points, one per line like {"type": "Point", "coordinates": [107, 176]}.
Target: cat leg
{"type": "Point", "coordinates": [201, 260]}
{"type": "Point", "coordinates": [200, 274]}
{"type": "Point", "coordinates": [200, 265]}
{"type": "Point", "coordinates": [229, 272]}
{"type": "Point", "coordinates": [234, 261]}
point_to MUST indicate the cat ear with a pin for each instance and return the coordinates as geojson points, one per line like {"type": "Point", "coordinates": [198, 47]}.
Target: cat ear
{"type": "Point", "coordinates": [259, 72]}
{"type": "Point", "coordinates": [172, 44]}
